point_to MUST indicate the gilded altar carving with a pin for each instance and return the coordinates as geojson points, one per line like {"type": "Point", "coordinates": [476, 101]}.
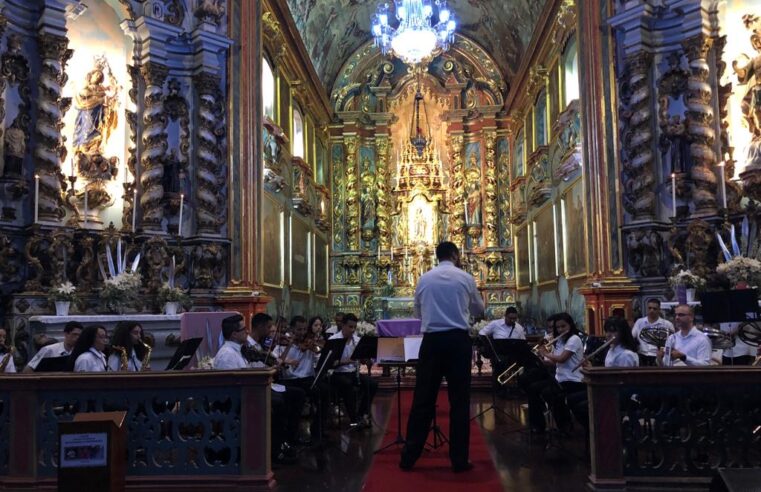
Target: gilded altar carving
{"type": "Point", "coordinates": [700, 126]}
{"type": "Point", "coordinates": [381, 189]}
{"type": "Point", "coordinates": [457, 189]}
{"type": "Point", "coordinates": [61, 253]}
{"type": "Point", "coordinates": [32, 253]}
{"type": "Point", "coordinates": [15, 71]}
{"type": "Point", "coordinates": [210, 11]}
{"type": "Point", "coordinates": [339, 198]}
{"type": "Point", "coordinates": [273, 36]}
{"type": "Point", "coordinates": [352, 196]}
{"type": "Point", "coordinates": [154, 259]}
{"type": "Point", "coordinates": [503, 196]}
{"type": "Point", "coordinates": [50, 150]}
{"type": "Point", "coordinates": [351, 265]}
{"type": "Point", "coordinates": [131, 119]}
{"type": "Point", "coordinates": [209, 173]}
{"type": "Point", "coordinates": [748, 69]}
{"type": "Point", "coordinates": [154, 140]}
{"type": "Point", "coordinates": [646, 253]}
{"type": "Point", "coordinates": [174, 12]}
{"type": "Point", "coordinates": [673, 142]}
{"type": "Point", "coordinates": [86, 272]}
{"type": "Point", "coordinates": [637, 157]}
{"type": "Point", "coordinates": [490, 194]}
{"type": "Point", "coordinates": [9, 264]}
{"type": "Point", "coordinates": [493, 263]}
{"type": "Point", "coordinates": [208, 263]}
{"type": "Point", "coordinates": [696, 247]}
{"type": "Point", "coordinates": [177, 160]}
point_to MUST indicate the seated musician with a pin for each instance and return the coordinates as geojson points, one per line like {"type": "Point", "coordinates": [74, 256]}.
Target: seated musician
{"type": "Point", "coordinates": [336, 326]}
{"type": "Point", "coordinates": [623, 347]}
{"type": "Point", "coordinates": [346, 377]}
{"type": "Point", "coordinates": [501, 329]}
{"type": "Point", "coordinates": [71, 332]}
{"type": "Point", "coordinates": [648, 352]}
{"type": "Point", "coordinates": [287, 403]}
{"type": "Point", "coordinates": [567, 354]}
{"type": "Point", "coordinates": [127, 337]}
{"type": "Point", "coordinates": [6, 354]}
{"type": "Point", "coordinates": [89, 351]}
{"type": "Point", "coordinates": [689, 346]}
{"type": "Point", "coordinates": [740, 354]}
{"type": "Point", "coordinates": [299, 357]}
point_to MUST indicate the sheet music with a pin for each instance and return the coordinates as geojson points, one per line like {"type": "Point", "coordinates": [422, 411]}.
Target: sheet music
{"type": "Point", "coordinates": [412, 347]}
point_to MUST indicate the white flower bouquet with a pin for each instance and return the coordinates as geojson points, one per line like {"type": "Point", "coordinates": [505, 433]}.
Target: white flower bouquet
{"type": "Point", "coordinates": [121, 285]}
{"type": "Point", "coordinates": [206, 363]}
{"type": "Point", "coordinates": [741, 269]}
{"type": "Point", "coordinates": [65, 292]}
{"type": "Point", "coordinates": [366, 329]}
{"type": "Point", "coordinates": [687, 279]}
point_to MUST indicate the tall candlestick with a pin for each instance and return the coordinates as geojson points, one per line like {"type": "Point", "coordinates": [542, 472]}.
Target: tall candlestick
{"type": "Point", "coordinates": [36, 198]}
{"type": "Point", "coordinates": [85, 205]}
{"type": "Point", "coordinates": [392, 253]}
{"type": "Point", "coordinates": [723, 185]}
{"type": "Point", "coordinates": [673, 193]}
{"type": "Point", "coordinates": [378, 251]}
{"type": "Point", "coordinates": [134, 208]}
{"type": "Point", "coordinates": [182, 204]}
{"type": "Point", "coordinates": [72, 167]}
{"type": "Point", "coordinates": [466, 215]}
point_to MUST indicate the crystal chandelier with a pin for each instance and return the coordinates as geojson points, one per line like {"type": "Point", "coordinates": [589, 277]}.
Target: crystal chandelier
{"type": "Point", "coordinates": [415, 39]}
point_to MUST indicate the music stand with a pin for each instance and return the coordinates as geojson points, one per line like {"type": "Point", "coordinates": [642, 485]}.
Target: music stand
{"type": "Point", "coordinates": [366, 349]}
{"type": "Point", "coordinates": [184, 354]}
{"type": "Point", "coordinates": [329, 355]}
{"type": "Point", "coordinates": [399, 439]}
{"type": "Point", "coordinates": [496, 350]}
{"type": "Point", "coordinates": [53, 364]}
{"type": "Point", "coordinates": [730, 305]}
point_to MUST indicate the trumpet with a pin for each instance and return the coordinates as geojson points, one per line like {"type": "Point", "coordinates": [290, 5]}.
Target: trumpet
{"type": "Point", "coordinates": [595, 352]}
{"type": "Point", "coordinates": [505, 377]}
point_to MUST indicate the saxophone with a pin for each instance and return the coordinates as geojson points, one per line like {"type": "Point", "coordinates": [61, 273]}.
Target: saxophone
{"type": "Point", "coordinates": [6, 358]}
{"type": "Point", "coordinates": [123, 360]}
{"type": "Point", "coordinates": [146, 362]}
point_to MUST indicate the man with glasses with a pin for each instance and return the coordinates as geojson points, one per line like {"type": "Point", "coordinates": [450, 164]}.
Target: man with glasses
{"type": "Point", "coordinates": [689, 346]}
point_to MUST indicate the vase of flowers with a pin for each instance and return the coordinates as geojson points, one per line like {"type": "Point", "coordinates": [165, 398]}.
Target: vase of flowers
{"type": "Point", "coordinates": [685, 283]}
{"type": "Point", "coordinates": [173, 298]}
{"type": "Point", "coordinates": [741, 271]}
{"type": "Point", "coordinates": [122, 282]}
{"type": "Point", "coordinates": [62, 295]}
{"type": "Point", "coordinates": [366, 329]}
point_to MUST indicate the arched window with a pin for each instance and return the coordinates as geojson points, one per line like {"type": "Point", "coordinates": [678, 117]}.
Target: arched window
{"type": "Point", "coordinates": [571, 72]}
{"type": "Point", "coordinates": [298, 134]}
{"type": "Point", "coordinates": [268, 90]}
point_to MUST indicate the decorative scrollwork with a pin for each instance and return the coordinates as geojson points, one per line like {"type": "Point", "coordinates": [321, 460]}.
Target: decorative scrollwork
{"type": "Point", "coordinates": [61, 253]}
{"type": "Point", "coordinates": [490, 193]}
{"type": "Point", "coordinates": [32, 254]}
{"type": "Point", "coordinates": [457, 213]}
{"type": "Point", "coordinates": [208, 263]}
{"type": "Point", "coordinates": [210, 211]}
{"type": "Point", "coordinates": [86, 272]}
{"type": "Point", "coordinates": [155, 145]}
{"type": "Point", "coordinates": [383, 204]}
{"type": "Point", "coordinates": [15, 71]}
{"type": "Point", "coordinates": [352, 195]}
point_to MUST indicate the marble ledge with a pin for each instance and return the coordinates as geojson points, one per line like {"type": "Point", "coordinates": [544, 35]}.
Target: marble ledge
{"type": "Point", "coordinates": [105, 318]}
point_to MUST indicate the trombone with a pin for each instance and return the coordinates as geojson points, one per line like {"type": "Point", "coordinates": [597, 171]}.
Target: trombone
{"type": "Point", "coordinates": [505, 377]}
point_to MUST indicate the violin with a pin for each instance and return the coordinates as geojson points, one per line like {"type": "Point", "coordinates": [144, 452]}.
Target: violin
{"type": "Point", "coordinates": [251, 354]}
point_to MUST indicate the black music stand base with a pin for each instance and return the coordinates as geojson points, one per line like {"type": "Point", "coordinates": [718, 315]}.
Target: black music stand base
{"type": "Point", "coordinates": [493, 407]}
{"type": "Point", "coordinates": [399, 440]}
{"type": "Point", "coordinates": [439, 438]}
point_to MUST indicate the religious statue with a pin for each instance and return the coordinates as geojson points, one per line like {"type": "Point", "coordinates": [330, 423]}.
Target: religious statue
{"type": "Point", "coordinates": [368, 203]}
{"type": "Point", "coordinates": [473, 203]}
{"type": "Point", "coordinates": [748, 69]}
{"type": "Point", "coordinates": [421, 225]}
{"type": "Point", "coordinates": [96, 106]}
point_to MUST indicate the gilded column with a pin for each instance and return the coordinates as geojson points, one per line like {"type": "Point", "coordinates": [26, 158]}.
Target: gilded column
{"type": "Point", "coordinates": [338, 195]}
{"type": "Point", "coordinates": [457, 199]}
{"type": "Point", "coordinates": [637, 137]}
{"type": "Point", "coordinates": [154, 146]}
{"type": "Point", "coordinates": [352, 194]}
{"type": "Point", "coordinates": [490, 192]}
{"type": "Point", "coordinates": [383, 212]}
{"type": "Point", "coordinates": [208, 208]}
{"type": "Point", "coordinates": [50, 150]}
{"type": "Point", "coordinates": [700, 126]}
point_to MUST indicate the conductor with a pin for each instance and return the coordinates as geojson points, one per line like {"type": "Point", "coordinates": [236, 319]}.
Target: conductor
{"type": "Point", "coordinates": [445, 298]}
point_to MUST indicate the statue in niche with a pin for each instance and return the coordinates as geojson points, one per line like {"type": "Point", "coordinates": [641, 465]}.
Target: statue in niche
{"type": "Point", "coordinates": [473, 198]}
{"type": "Point", "coordinates": [15, 146]}
{"type": "Point", "coordinates": [368, 199]}
{"type": "Point", "coordinates": [421, 225]}
{"type": "Point", "coordinates": [748, 69]}
{"type": "Point", "coordinates": [96, 105]}
{"type": "Point", "coordinates": [399, 227]}
{"type": "Point", "coordinates": [172, 175]}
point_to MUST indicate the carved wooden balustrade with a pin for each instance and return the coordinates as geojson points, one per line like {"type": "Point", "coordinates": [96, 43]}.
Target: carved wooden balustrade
{"type": "Point", "coordinates": [197, 430]}
{"type": "Point", "coordinates": [674, 427]}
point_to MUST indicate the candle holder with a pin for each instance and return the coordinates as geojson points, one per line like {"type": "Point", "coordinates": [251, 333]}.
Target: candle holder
{"type": "Point", "coordinates": [71, 200]}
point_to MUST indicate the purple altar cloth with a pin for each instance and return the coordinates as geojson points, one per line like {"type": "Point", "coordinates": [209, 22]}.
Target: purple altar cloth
{"type": "Point", "coordinates": [398, 327]}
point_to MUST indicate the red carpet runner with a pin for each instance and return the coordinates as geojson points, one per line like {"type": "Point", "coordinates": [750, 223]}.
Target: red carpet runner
{"type": "Point", "coordinates": [433, 467]}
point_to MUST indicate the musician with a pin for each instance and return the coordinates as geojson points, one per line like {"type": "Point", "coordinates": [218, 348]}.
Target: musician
{"type": "Point", "coordinates": [287, 402]}
{"type": "Point", "coordinates": [71, 332]}
{"type": "Point", "coordinates": [338, 321]}
{"type": "Point", "coordinates": [566, 357]}
{"type": "Point", "coordinates": [647, 352]}
{"type": "Point", "coordinates": [623, 348]}
{"type": "Point", "coordinates": [505, 328]}
{"type": "Point", "coordinates": [346, 377]}
{"type": "Point", "coordinates": [10, 366]}
{"type": "Point", "coordinates": [127, 335]}
{"type": "Point", "coordinates": [445, 298]}
{"type": "Point", "coordinates": [689, 346]}
{"type": "Point", "coordinates": [88, 354]}
{"type": "Point", "coordinates": [741, 354]}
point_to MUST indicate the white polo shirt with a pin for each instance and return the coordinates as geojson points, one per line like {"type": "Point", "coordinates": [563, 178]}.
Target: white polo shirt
{"type": "Point", "coordinates": [644, 347]}
{"type": "Point", "coordinates": [619, 356]}
{"type": "Point", "coordinates": [306, 361]}
{"type": "Point", "coordinates": [564, 370]}
{"type": "Point", "coordinates": [348, 350]}
{"type": "Point", "coordinates": [499, 330]}
{"type": "Point", "coordinates": [54, 350]}
{"type": "Point", "coordinates": [229, 357]}
{"type": "Point", "coordinates": [91, 361]}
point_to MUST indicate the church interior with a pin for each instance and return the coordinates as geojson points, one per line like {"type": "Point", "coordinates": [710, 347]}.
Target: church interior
{"type": "Point", "coordinates": [169, 165]}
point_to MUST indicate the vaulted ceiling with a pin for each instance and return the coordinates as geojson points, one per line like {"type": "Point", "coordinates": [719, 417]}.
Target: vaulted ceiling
{"type": "Point", "coordinates": [333, 29]}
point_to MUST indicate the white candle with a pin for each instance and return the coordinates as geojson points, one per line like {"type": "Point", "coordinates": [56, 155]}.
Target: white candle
{"type": "Point", "coordinates": [182, 205]}
{"type": "Point", "coordinates": [36, 198]}
{"type": "Point", "coordinates": [85, 205]}
{"type": "Point", "coordinates": [378, 251]}
{"type": "Point", "coordinates": [72, 167]}
{"type": "Point", "coordinates": [466, 215]}
{"type": "Point", "coordinates": [134, 209]}
{"type": "Point", "coordinates": [673, 193]}
{"type": "Point", "coordinates": [723, 185]}
{"type": "Point", "coordinates": [392, 253]}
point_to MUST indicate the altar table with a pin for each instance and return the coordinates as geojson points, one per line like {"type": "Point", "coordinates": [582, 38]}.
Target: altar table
{"type": "Point", "coordinates": [398, 327]}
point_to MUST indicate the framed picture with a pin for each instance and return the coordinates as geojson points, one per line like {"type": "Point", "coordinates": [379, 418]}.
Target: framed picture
{"type": "Point", "coordinates": [300, 255]}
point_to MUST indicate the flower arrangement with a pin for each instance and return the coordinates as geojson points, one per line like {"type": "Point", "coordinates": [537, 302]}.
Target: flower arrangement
{"type": "Point", "coordinates": [206, 363]}
{"type": "Point", "coordinates": [65, 292]}
{"type": "Point", "coordinates": [687, 279]}
{"type": "Point", "coordinates": [476, 327]}
{"type": "Point", "coordinates": [740, 265]}
{"type": "Point", "coordinates": [121, 285]}
{"type": "Point", "coordinates": [169, 292]}
{"type": "Point", "coordinates": [366, 329]}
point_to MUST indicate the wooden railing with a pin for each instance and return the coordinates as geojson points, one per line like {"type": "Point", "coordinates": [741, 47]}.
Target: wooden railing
{"type": "Point", "coordinates": [199, 430]}
{"type": "Point", "coordinates": [662, 428]}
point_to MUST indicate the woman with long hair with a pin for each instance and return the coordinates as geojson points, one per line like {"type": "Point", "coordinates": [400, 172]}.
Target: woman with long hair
{"type": "Point", "coordinates": [127, 336]}
{"type": "Point", "coordinates": [623, 349]}
{"type": "Point", "coordinates": [89, 351]}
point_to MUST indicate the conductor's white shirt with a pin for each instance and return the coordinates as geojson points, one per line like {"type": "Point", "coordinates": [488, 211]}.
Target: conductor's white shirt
{"type": "Point", "coordinates": [91, 361]}
{"type": "Point", "coordinates": [499, 330]}
{"type": "Point", "coordinates": [445, 298]}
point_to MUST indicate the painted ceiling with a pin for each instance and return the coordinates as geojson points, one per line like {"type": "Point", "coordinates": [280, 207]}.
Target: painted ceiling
{"type": "Point", "coordinates": [333, 29]}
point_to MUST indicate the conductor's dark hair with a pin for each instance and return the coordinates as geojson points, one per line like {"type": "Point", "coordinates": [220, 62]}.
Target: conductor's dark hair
{"type": "Point", "coordinates": [260, 319]}
{"type": "Point", "coordinates": [446, 251]}
{"type": "Point", "coordinates": [230, 325]}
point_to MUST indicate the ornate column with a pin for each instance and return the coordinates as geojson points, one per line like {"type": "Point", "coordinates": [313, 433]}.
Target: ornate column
{"type": "Point", "coordinates": [352, 193]}
{"type": "Point", "coordinates": [49, 153]}
{"type": "Point", "coordinates": [700, 126]}
{"type": "Point", "coordinates": [457, 198]}
{"type": "Point", "coordinates": [209, 175]}
{"type": "Point", "coordinates": [383, 211]}
{"type": "Point", "coordinates": [490, 194]}
{"type": "Point", "coordinates": [154, 140]}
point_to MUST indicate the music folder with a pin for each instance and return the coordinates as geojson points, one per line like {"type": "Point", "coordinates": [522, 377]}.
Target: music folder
{"type": "Point", "coordinates": [367, 348]}
{"type": "Point", "coordinates": [184, 353]}
{"type": "Point", "coordinates": [730, 305]}
{"type": "Point", "coordinates": [334, 347]}
{"type": "Point", "coordinates": [399, 349]}
{"type": "Point", "coordinates": [53, 364]}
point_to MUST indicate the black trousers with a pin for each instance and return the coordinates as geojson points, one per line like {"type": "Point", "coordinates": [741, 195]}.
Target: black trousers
{"type": "Point", "coordinates": [345, 385]}
{"type": "Point", "coordinates": [548, 391]}
{"type": "Point", "coordinates": [741, 360]}
{"type": "Point", "coordinates": [286, 415]}
{"type": "Point", "coordinates": [319, 395]}
{"type": "Point", "coordinates": [442, 355]}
